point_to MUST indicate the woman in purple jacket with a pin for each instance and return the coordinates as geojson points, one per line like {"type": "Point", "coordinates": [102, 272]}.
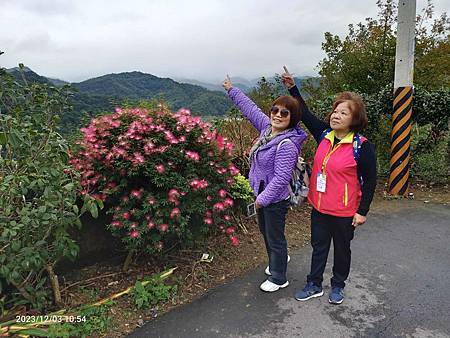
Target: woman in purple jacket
{"type": "Point", "coordinates": [272, 161]}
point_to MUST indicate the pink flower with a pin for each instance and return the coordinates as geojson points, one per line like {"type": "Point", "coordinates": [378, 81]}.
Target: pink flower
{"type": "Point", "coordinates": [126, 215]}
{"type": "Point", "coordinates": [220, 142]}
{"type": "Point", "coordinates": [173, 195]}
{"type": "Point", "coordinates": [175, 213]}
{"type": "Point", "coordinates": [221, 171]}
{"type": "Point", "coordinates": [229, 231]}
{"type": "Point", "coordinates": [209, 198]}
{"type": "Point", "coordinates": [138, 159]}
{"type": "Point", "coordinates": [198, 184]}
{"type": "Point", "coordinates": [148, 147]}
{"type": "Point", "coordinates": [227, 217]}
{"type": "Point", "coordinates": [192, 155]}
{"type": "Point", "coordinates": [208, 220]}
{"type": "Point", "coordinates": [137, 193]}
{"type": "Point", "coordinates": [233, 170]}
{"type": "Point", "coordinates": [150, 225]}
{"type": "Point", "coordinates": [208, 213]}
{"type": "Point", "coordinates": [234, 241]}
{"type": "Point", "coordinates": [151, 200]}
{"type": "Point", "coordinates": [160, 168]}
{"type": "Point", "coordinates": [219, 206]}
{"type": "Point", "coordinates": [228, 202]}
{"type": "Point", "coordinates": [134, 234]}
{"type": "Point", "coordinates": [116, 224]}
{"type": "Point", "coordinates": [222, 193]}
{"type": "Point", "coordinates": [163, 227]}
{"type": "Point", "coordinates": [133, 225]}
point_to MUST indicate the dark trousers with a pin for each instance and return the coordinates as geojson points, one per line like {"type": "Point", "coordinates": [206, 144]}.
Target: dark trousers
{"type": "Point", "coordinates": [272, 220]}
{"type": "Point", "coordinates": [323, 229]}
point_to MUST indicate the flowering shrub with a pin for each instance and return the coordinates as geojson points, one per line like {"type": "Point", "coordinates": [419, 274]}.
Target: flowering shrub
{"type": "Point", "coordinates": [162, 175]}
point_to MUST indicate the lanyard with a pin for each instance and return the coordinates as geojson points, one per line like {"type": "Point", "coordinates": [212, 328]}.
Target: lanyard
{"type": "Point", "coordinates": [327, 157]}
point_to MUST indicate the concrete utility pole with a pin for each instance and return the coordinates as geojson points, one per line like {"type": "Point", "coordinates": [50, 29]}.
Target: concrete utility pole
{"type": "Point", "coordinates": [403, 89]}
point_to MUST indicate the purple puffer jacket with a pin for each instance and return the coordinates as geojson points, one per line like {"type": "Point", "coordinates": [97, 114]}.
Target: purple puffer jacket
{"type": "Point", "coordinates": [271, 166]}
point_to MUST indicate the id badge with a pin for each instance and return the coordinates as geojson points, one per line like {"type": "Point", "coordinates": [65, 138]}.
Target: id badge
{"type": "Point", "coordinates": [321, 182]}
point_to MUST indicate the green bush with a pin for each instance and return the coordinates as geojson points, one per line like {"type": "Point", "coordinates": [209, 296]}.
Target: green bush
{"type": "Point", "coordinates": [430, 163]}
{"type": "Point", "coordinates": [145, 295]}
{"type": "Point", "coordinates": [37, 191]}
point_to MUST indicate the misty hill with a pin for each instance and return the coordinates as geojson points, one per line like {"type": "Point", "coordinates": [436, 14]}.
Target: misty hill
{"type": "Point", "coordinates": [29, 75]}
{"type": "Point", "coordinates": [243, 84]}
{"type": "Point", "coordinates": [137, 85]}
{"type": "Point", "coordinates": [106, 92]}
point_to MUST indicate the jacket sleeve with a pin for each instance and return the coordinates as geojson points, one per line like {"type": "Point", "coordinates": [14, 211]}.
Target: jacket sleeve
{"type": "Point", "coordinates": [250, 110]}
{"type": "Point", "coordinates": [285, 160]}
{"type": "Point", "coordinates": [314, 124]}
{"type": "Point", "coordinates": [367, 167]}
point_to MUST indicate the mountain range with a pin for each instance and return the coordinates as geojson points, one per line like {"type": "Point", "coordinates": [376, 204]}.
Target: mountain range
{"type": "Point", "coordinates": [104, 93]}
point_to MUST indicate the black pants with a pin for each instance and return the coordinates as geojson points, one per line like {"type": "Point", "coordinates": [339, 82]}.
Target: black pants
{"type": "Point", "coordinates": [272, 221]}
{"type": "Point", "coordinates": [323, 229]}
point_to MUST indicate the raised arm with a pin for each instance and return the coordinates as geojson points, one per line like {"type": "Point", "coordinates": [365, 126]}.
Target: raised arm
{"type": "Point", "coordinates": [314, 124]}
{"type": "Point", "coordinates": [250, 110]}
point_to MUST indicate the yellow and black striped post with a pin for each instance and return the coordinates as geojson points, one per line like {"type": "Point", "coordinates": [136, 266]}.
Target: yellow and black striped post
{"type": "Point", "coordinates": [403, 94]}
{"type": "Point", "coordinates": [400, 141]}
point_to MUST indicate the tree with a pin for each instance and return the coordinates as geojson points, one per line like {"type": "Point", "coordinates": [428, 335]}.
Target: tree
{"type": "Point", "coordinates": [364, 60]}
{"type": "Point", "coordinates": [37, 192]}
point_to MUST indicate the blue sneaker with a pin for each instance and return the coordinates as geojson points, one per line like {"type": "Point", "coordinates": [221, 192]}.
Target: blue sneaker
{"type": "Point", "coordinates": [309, 291]}
{"type": "Point", "coordinates": [336, 295]}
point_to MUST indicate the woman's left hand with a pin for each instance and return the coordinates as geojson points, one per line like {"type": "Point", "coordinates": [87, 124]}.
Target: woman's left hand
{"type": "Point", "coordinates": [257, 205]}
{"type": "Point", "coordinates": [358, 220]}
{"type": "Point", "coordinates": [227, 84]}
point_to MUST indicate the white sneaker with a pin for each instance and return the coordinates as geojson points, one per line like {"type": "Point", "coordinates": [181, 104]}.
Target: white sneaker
{"type": "Point", "coordinates": [267, 271]}
{"type": "Point", "coordinates": [268, 286]}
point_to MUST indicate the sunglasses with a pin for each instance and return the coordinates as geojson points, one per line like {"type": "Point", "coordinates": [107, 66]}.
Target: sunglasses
{"type": "Point", "coordinates": [283, 112]}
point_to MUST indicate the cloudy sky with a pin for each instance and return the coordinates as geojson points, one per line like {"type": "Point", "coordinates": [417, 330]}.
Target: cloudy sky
{"type": "Point", "coordinates": [197, 39]}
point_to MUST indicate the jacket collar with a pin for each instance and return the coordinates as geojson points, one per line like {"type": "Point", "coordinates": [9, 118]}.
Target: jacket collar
{"type": "Point", "coordinates": [347, 139]}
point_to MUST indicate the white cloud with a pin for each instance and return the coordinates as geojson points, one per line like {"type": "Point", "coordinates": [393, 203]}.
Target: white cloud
{"type": "Point", "coordinates": [200, 39]}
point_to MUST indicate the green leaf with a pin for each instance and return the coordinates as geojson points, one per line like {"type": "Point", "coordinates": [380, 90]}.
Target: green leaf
{"type": "Point", "coordinates": [100, 204]}
{"type": "Point", "coordinates": [94, 210]}
{"type": "Point", "coordinates": [3, 139]}
{"type": "Point", "coordinates": [69, 186]}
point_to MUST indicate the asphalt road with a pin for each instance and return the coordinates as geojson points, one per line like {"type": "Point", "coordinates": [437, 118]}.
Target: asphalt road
{"type": "Point", "coordinates": [399, 286]}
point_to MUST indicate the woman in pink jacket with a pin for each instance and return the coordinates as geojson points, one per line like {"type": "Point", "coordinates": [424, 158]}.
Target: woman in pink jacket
{"type": "Point", "coordinates": [342, 186]}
